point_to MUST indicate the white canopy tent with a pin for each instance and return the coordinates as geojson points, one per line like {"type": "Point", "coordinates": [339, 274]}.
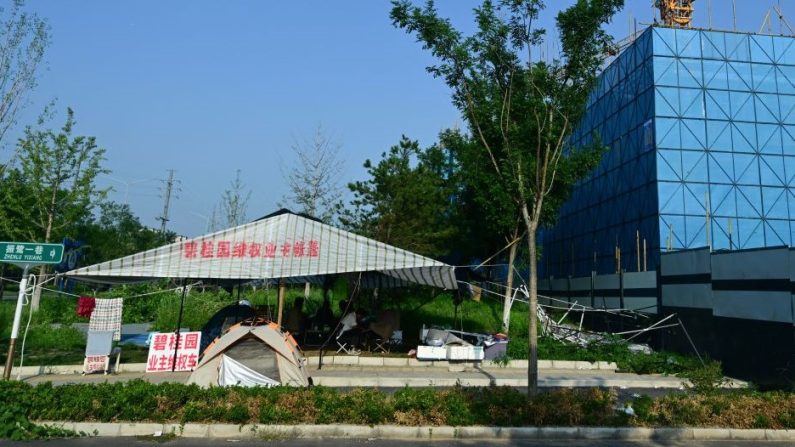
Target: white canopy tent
{"type": "Point", "coordinates": [284, 247]}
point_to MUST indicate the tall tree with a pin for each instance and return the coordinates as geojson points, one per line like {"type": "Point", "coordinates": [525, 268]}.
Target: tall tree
{"type": "Point", "coordinates": [24, 37]}
{"type": "Point", "coordinates": [520, 110]}
{"type": "Point", "coordinates": [234, 202]}
{"type": "Point", "coordinates": [58, 171]}
{"type": "Point", "coordinates": [407, 199]}
{"type": "Point", "coordinates": [315, 179]}
{"type": "Point", "coordinates": [492, 217]}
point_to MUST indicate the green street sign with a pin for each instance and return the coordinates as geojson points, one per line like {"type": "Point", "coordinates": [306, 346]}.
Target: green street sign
{"type": "Point", "coordinates": [31, 253]}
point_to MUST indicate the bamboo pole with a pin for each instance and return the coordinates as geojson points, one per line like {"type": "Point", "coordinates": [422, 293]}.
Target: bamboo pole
{"type": "Point", "coordinates": [281, 303]}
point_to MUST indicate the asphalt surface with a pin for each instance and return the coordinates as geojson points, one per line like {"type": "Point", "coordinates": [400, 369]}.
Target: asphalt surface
{"type": "Point", "coordinates": [142, 442]}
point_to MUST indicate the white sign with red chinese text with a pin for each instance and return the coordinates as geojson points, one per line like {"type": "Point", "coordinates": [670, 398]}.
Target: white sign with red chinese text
{"type": "Point", "coordinates": [164, 345]}
{"type": "Point", "coordinates": [95, 363]}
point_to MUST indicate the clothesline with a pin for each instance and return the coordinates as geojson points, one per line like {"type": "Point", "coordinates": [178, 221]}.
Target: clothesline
{"type": "Point", "coordinates": [126, 298]}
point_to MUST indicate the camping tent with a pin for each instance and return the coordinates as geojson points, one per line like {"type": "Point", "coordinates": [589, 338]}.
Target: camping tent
{"type": "Point", "coordinates": [223, 320]}
{"type": "Point", "coordinates": [252, 355]}
{"type": "Point", "coordinates": [283, 246]}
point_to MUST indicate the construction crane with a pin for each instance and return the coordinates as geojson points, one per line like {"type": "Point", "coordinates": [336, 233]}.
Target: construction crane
{"type": "Point", "coordinates": [677, 13]}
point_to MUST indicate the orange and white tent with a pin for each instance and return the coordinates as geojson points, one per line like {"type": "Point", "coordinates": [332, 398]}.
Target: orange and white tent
{"type": "Point", "coordinates": [252, 355]}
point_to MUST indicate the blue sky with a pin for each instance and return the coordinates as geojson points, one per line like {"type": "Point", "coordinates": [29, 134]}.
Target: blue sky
{"type": "Point", "coordinates": [208, 87]}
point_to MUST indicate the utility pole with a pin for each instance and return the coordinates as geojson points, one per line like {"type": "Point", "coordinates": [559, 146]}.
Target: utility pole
{"type": "Point", "coordinates": [167, 200]}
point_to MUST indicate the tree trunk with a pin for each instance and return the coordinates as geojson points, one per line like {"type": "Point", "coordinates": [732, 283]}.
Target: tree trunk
{"type": "Point", "coordinates": [532, 306]}
{"type": "Point", "coordinates": [36, 298]}
{"type": "Point", "coordinates": [508, 300]}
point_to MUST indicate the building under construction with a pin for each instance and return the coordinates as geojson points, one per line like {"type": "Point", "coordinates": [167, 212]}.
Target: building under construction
{"type": "Point", "coordinates": [701, 133]}
{"type": "Point", "coordinates": [690, 215]}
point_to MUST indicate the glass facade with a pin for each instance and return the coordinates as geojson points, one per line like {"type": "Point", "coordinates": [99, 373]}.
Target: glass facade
{"type": "Point", "coordinates": [701, 133]}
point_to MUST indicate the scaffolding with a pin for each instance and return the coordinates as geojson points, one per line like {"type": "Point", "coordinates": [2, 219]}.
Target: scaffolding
{"type": "Point", "coordinates": [678, 13]}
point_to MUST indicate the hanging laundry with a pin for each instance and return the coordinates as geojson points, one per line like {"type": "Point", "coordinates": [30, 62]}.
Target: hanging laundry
{"type": "Point", "coordinates": [85, 306]}
{"type": "Point", "coordinates": [107, 317]}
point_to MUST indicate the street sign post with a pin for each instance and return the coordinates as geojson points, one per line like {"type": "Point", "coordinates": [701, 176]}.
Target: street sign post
{"type": "Point", "coordinates": [25, 255]}
{"type": "Point", "coordinates": [22, 253]}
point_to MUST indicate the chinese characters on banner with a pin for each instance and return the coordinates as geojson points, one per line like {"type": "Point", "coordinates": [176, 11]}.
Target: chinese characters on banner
{"type": "Point", "coordinates": [208, 249]}
{"type": "Point", "coordinates": [95, 363]}
{"type": "Point", "coordinates": [161, 352]}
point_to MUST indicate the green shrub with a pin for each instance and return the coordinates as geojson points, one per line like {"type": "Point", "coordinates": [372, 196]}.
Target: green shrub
{"type": "Point", "coordinates": [238, 414]}
{"type": "Point", "coordinates": [15, 423]}
{"type": "Point", "coordinates": [705, 379]}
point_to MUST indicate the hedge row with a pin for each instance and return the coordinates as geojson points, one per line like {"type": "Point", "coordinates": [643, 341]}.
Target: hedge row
{"type": "Point", "coordinates": [139, 401]}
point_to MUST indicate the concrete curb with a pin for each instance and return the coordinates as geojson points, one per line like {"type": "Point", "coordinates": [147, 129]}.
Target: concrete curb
{"type": "Point", "coordinates": [349, 360]}
{"type": "Point", "coordinates": [352, 360]}
{"type": "Point", "coordinates": [414, 382]}
{"type": "Point", "coordinates": [274, 432]}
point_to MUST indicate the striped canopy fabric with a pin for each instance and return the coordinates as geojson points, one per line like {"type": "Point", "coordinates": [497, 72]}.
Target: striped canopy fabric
{"type": "Point", "coordinates": [285, 247]}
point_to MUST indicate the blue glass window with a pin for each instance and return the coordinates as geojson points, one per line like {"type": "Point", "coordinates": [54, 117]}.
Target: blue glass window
{"type": "Point", "coordinates": [764, 78]}
{"type": "Point", "coordinates": [717, 104]}
{"type": "Point", "coordinates": [713, 45]}
{"type": "Point", "coordinates": [785, 79]}
{"type": "Point", "coordinates": [742, 105]}
{"type": "Point", "coordinates": [693, 134]}
{"type": "Point", "coordinates": [737, 47]}
{"type": "Point", "coordinates": [771, 170]}
{"type": "Point", "coordinates": [785, 50]}
{"type": "Point", "coordinates": [740, 76]}
{"type": "Point", "coordinates": [719, 136]}
{"type": "Point", "coordinates": [751, 233]}
{"type": "Point", "coordinates": [766, 108]}
{"type": "Point", "coordinates": [762, 49]}
{"type": "Point", "coordinates": [695, 198]}
{"type": "Point", "coordinates": [671, 198]}
{"type": "Point", "coordinates": [777, 232]}
{"type": "Point", "coordinates": [691, 103]}
{"type": "Point", "coordinates": [775, 203]}
{"type": "Point", "coordinates": [722, 200]}
{"type": "Point", "coordinates": [768, 137]}
{"type": "Point", "coordinates": [746, 169]}
{"type": "Point", "coordinates": [749, 201]}
{"type": "Point", "coordinates": [669, 165]}
{"type": "Point", "coordinates": [688, 43]}
{"type": "Point", "coordinates": [694, 166]}
{"type": "Point", "coordinates": [664, 42]}
{"type": "Point", "coordinates": [715, 75]}
{"type": "Point", "coordinates": [665, 71]}
{"type": "Point", "coordinates": [690, 73]}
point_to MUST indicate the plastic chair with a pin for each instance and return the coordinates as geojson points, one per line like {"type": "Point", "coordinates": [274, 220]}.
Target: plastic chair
{"type": "Point", "coordinates": [345, 345]}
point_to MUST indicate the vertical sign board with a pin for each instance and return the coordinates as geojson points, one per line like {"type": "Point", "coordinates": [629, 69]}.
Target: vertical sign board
{"type": "Point", "coordinates": [163, 346]}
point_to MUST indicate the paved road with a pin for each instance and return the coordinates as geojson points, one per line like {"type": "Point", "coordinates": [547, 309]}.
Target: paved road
{"type": "Point", "coordinates": [140, 442]}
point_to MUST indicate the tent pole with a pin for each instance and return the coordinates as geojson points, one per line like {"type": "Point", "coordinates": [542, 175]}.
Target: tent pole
{"type": "Point", "coordinates": [281, 303]}
{"type": "Point", "coordinates": [179, 323]}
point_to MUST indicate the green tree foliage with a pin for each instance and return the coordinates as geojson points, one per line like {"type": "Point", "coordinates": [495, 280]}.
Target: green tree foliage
{"type": "Point", "coordinates": [406, 201]}
{"type": "Point", "coordinates": [520, 110]}
{"type": "Point", "coordinates": [23, 39]}
{"type": "Point", "coordinates": [51, 187]}
{"type": "Point", "coordinates": [116, 232]}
